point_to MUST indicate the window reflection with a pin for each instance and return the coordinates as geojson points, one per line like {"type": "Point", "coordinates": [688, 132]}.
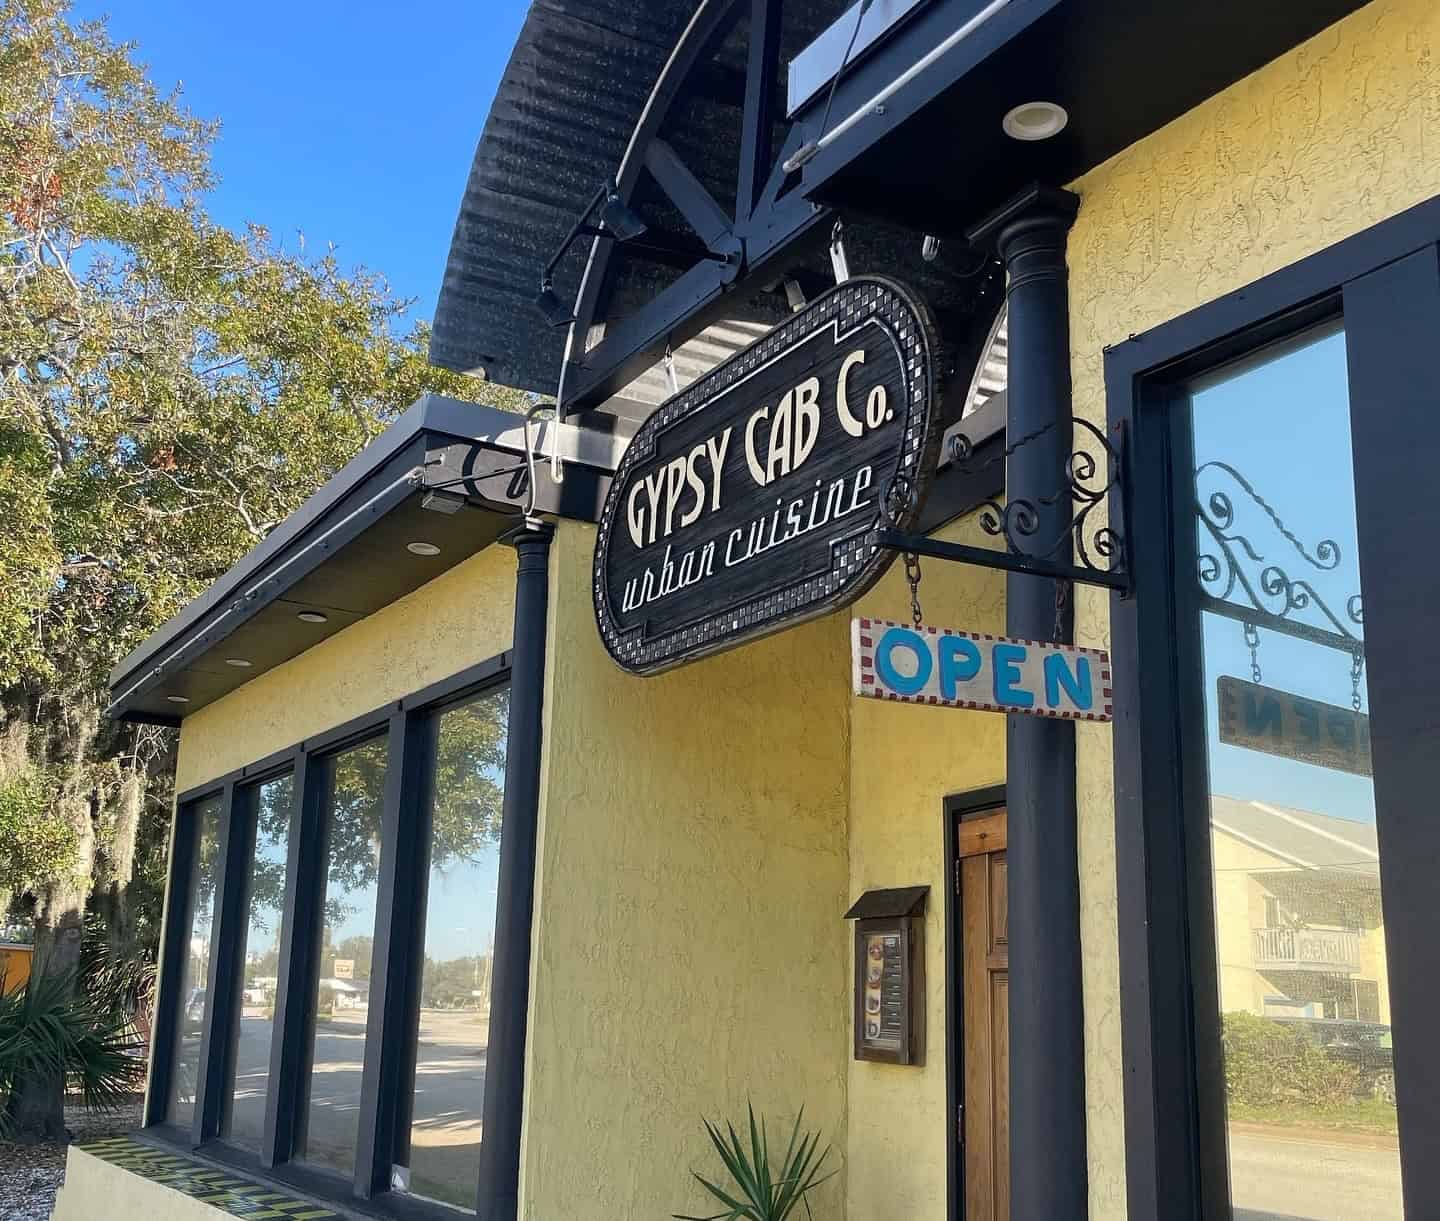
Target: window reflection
{"type": "Point", "coordinates": [244, 1122]}
{"type": "Point", "coordinates": [194, 976]}
{"type": "Point", "coordinates": [449, 1085]}
{"type": "Point", "coordinates": [1299, 931]}
{"type": "Point", "coordinates": [354, 788]}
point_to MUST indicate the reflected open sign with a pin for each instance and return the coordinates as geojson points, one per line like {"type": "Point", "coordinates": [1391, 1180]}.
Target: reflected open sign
{"type": "Point", "coordinates": [1293, 727]}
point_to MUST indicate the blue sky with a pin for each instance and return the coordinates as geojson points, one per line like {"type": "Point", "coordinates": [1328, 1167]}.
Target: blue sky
{"type": "Point", "coordinates": [352, 122]}
{"type": "Point", "coordinates": [1245, 416]}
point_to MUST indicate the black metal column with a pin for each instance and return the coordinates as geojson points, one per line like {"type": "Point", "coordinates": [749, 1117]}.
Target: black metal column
{"type": "Point", "coordinates": [390, 1029]}
{"type": "Point", "coordinates": [1048, 1177]}
{"type": "Point", "coordinates": [515, 888]}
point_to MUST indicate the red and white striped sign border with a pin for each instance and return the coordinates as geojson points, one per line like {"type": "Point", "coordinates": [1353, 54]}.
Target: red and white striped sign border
{"type": "Point", "coordinates": [865, 633]}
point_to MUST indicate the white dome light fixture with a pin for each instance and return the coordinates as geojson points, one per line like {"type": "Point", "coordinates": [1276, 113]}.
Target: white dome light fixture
{"type": "Point", "coordinates": [421, 548]}
{"type": "Point", "coordinates": [1035, 121]}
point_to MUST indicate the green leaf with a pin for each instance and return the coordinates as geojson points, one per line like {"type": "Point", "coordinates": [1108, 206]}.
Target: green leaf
{"type": "Point", "coordinates": [763, 1191]}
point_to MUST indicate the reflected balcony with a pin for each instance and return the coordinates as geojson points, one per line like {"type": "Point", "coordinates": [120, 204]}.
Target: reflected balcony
{"type": "Point", "coordinates": [1333, 951]}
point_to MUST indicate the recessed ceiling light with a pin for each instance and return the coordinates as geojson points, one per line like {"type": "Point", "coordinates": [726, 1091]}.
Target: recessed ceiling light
{"type": "Point", "coordinates": [240, 663]}
{"type": "Point", "coordinates": [1035, 121]}
{"type": "Point", "coordinates": [178, 699]}
{"type": "Point", "coordinates": [313, 617]}
{"type": "Point", "coordinates": [422, 548]}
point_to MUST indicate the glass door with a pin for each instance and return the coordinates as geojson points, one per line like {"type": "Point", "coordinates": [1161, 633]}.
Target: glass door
{"type": "Point", "coordinates": [1300, 1003]}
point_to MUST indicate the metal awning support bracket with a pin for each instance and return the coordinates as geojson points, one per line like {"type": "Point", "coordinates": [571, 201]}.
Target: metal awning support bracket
{"type": "Point", "coordinates": [1088, 551]}
{"type": "Point", "coordinates": [839, 263]}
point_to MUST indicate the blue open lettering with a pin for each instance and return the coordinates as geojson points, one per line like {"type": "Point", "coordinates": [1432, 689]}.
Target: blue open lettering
{"type": "Point", "coordinates": [959, 663]}
{"type": "Point", "coordinates": [903, 638]}
{"type": "Point", "coordinates": [1077, 686]}
{"type": "Point", "coordinates": [1262, 716]}
{"type": "Point", "coordinates": [1006, 659]}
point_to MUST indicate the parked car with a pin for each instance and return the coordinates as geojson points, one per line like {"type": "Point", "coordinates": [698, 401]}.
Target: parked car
{"type": "Point", "coordinates": [1366, 1045]}
{"type": "Point", "coordinates": [195, 1011]}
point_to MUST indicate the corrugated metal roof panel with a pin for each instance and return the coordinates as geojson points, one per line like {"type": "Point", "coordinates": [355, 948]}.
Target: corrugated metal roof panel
{"type": "Point", "coordinates": [1302, 837]}
{"type": "Point", "coordinates": [570, 97]}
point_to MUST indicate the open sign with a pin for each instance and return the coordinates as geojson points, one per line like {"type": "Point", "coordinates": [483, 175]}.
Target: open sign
{"type": "Point", "coordinates": [926, 665]}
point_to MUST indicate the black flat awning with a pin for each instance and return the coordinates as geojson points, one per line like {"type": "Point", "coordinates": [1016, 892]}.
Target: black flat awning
{"type": "Point", "coordinates": [446, 475]}
{"type": "Point", "coordinates": [934, 155]}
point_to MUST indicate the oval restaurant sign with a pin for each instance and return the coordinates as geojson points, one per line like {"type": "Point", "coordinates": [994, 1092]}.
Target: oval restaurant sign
{"type": "Point", "coordinates": [750, 500]}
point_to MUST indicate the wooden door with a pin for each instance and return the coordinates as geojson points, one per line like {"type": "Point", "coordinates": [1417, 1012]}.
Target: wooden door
{"type": "Point", "coordinates": [985, 987]}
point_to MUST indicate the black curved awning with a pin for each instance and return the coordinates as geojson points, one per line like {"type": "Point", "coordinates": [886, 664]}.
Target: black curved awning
{"type": "Point", "coordinates": [915, 145]}
{"type": "Point", "coordinates": [570, 97]}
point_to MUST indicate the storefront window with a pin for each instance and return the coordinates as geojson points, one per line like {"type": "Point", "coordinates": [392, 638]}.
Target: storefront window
{"type": "Point", "coordinates": [1299, 931]}
{"type": "Point", "coordinates": [354, 796]}
{"type": "Point", "coordinates": [260, 962]}
{"type": "Point", "coordinates": [454, 1020]}
{"type": "Point", "coordinates": [195, 975]}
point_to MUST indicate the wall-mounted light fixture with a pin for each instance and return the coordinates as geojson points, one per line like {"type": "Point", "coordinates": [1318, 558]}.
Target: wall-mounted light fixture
{"type": "Point", "coordinates": [617, 221]}
{"type": "Point", "coordinates": [548, 302]}
{"type": "Point", "coordinates": [617, 218]}
{"type": "Point", "coordinates": [437, 500]}
{"type": "Point", "coordinates": [422, 548]}
{"type": "Point", "coordinates": [313, 617]}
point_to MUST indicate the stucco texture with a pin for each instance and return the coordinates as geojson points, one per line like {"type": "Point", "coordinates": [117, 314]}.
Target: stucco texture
{"type": "Point", "coordinates": [1328, 140]}
{"type": "Point", "coordinates": [689, 946]}
{"type": "Point", "coordinates": [455, 621]}
{"type": "Point", "coordinates": [904, 760]}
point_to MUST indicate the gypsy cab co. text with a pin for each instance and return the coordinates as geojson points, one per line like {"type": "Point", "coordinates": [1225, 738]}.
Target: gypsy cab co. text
{"type": "Point", "coordinates": [777, 440]}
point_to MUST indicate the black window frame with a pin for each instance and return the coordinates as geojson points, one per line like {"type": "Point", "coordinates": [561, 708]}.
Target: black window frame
{"type": "Point", "coordinates": [1385, 284]}
{"type": "Point", "coordinates": [407, 725]}
{"type": "Point", "coordinates": [174, 936]}
{"type": "Point", "coordinates": [244, 819]}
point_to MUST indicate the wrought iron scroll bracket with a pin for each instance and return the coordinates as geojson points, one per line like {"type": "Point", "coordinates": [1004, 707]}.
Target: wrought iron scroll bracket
{"type": "Point", "coordinates": [1261, 589]}
{"type": "Point", "coordinates": [1090, 548]}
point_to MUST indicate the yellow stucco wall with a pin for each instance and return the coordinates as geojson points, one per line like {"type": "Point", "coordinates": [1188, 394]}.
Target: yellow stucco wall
{"type": "Point", "coordinates": [457, 620]}
{"type": "Point", "coordinates": [904, 760]}
{"type": "Point", "coordinates": [1331, 138]}
{"type": "Point", "coordinates": [1239, 909]}
{"type": "Point", "coordinates": [689, 946]}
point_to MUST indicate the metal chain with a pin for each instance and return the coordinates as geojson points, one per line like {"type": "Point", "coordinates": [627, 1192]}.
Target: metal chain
{"type": "Point", "coordinates": [912, 575]}
{"type": "Point", "coordinates": [1252, 638]}
{"type": "Point", "coordinates": [1062, 600]}
{"type": "Point", "coordinates": [1357, 669]}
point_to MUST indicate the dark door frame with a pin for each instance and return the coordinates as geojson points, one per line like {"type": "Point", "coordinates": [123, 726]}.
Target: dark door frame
{"type": "Point", "coordinates": [954, 808]}
{"type": "Point", "coordinates": [1385, 282]}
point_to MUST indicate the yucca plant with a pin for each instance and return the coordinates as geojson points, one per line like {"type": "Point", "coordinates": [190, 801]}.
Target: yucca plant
{"type": "Point", "coordinates": [48, 1031]}
{"type": "Point", "coordinates": [762, 1191]}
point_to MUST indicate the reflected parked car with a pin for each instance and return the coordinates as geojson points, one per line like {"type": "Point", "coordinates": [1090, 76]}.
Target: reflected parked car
{"type": "Point", "coordinates": [195, 1011]}
{"type": "Point", "coordinates": [1366, 1045]}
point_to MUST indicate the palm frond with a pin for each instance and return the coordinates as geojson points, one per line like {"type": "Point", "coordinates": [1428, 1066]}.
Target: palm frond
{"type": "Point", "coordinates": [48, 1029]}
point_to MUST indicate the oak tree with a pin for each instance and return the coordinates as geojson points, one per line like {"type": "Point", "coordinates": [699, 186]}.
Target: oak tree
{"type": "Point", "coordinates": [170, 390]}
